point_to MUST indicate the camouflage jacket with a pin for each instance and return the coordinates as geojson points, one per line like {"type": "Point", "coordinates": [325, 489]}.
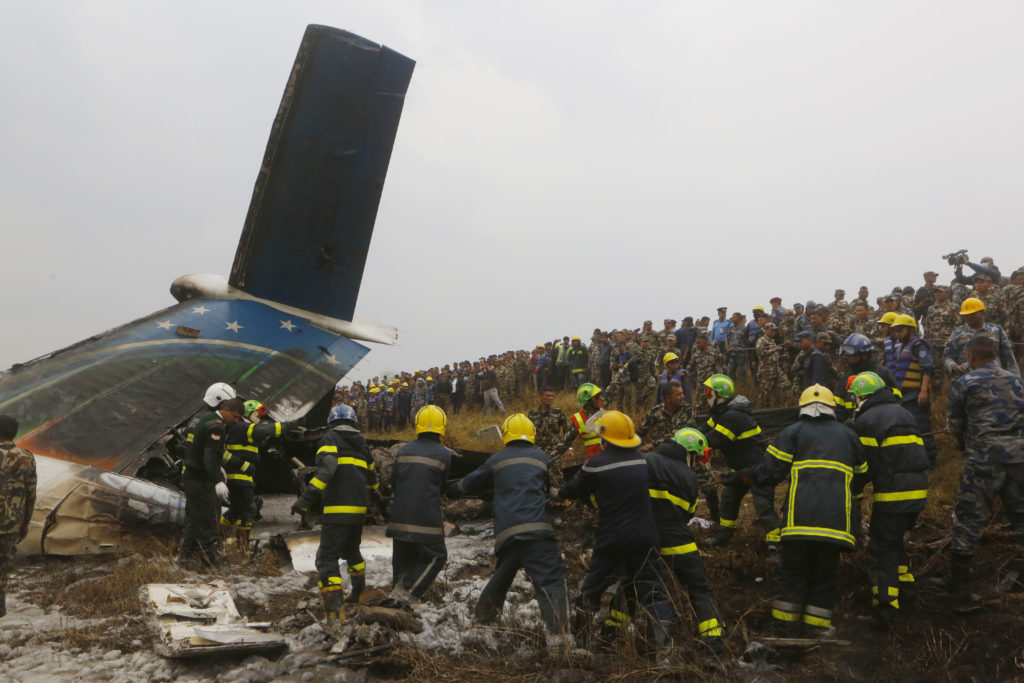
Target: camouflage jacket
{"type": "Point", "coordinates": [1013, 311]}
{"type": "Point", "coordinates": [986, 410]}
{"type": "Point", "coordinates": [769, 357]}
{"type": "Point", "coordinates": [647, 361]}
{"type": "Point", "coordinates": [955, 352]}
{"type": "Point", "coordinates": [704, 363]}
{"type": "Point", "coordinates": [658, 425]}
{"type": "Point", "coordinates": [551, 426]}
{"type": "Point", "coordinates": [939, 322]}
{"type": "Point", "coordinates": [17, 489]}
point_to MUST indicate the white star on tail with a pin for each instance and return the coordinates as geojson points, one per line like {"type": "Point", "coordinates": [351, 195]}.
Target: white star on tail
{"type": "Point", "coordinates": [332, 360]}
{"type": "Point", "coordinates": [287, 325]}
{"type": "Point", "coordinates": [165, 325]}
{"type": "Point", "coordinates": [201, 310]}
{"type": "Point", "coordinates": [234, 326]}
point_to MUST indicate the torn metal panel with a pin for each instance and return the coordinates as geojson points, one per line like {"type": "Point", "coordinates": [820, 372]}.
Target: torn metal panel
{"type": "Point", "coordinates": [197, 620]}
{"type": "Point", "coordinates": [302, 547]}
{"type": "Point", "coordinates": [82, 510]}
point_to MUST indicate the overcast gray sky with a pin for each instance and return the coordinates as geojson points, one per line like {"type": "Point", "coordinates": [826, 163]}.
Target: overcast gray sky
{"type": "Point", "coordinates": [559, 165]}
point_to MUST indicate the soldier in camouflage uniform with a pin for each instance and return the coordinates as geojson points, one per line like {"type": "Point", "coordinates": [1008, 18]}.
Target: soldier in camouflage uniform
{"type": "Point", "coordinates": [941, 318]}
{"type": "Point", "coordinates": [645, 386]}
{"type": "Point", "coordinates": [550, 422]}
{"type": "Point", "coordinates": [986, 416]}
{"type": "Point", "coordinates": [17, 498]}
{"type": "Point", "coordinates": [665, 419]}
{"type": "Point", "coordinates": [771, 373]}
{"type": "Point", "coordinates": [705, 360]}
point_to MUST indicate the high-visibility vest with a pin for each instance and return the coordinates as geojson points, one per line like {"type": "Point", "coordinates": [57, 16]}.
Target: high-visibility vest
{"type": "Point", "coordinates": [591, 441]}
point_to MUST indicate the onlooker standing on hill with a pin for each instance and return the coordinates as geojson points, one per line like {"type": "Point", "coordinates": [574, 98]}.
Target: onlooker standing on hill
{"type": "Point", "coordinates": [488, 379]}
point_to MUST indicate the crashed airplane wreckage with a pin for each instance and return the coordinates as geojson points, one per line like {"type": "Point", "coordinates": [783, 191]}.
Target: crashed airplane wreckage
{"type": "Point", "coordinates": [281, 330]}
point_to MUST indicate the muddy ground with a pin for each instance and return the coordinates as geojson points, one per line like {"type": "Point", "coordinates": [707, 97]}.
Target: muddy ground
{"type": "Point", "coordinates": [81, 618]}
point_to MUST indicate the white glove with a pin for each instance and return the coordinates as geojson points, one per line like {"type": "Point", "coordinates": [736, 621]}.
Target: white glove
{"type": "Point", "coordinates": [222, 491]}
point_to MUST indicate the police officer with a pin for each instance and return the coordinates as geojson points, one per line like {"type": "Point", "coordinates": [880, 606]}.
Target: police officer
{"type": "Point", "coordinates": [627, 536]}
{"type": "Point", "coordinates": [897, 461]}
{"type": "Point", "coordinates": [732, 429]}
{"type": "Point", "coordinates": [523, 535]}
{"type": "Point", "coordinates": [419, 477]}
{"type": "Point", "coordinates": [986, 416]}
{"type": "Point", "coordinates": [201, 477]}
{"type": "Point", "coordinates": [972, 312]}
{"type": "Point", "coordinates": [344, 481]}
{"type": "Point", "coordinates": [913, 370]}
{"type": "Point", "coordinates": [819, 456]}
{"type": "Point", "coordinates": [673, 490]}
{"type": "Point", "coordinates": [17, 499]}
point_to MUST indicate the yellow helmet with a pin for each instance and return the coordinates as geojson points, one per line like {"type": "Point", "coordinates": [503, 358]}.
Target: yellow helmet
{"type": "Point", "coordinates": [971, 305]}
{"type": "Point", "coordinates": [429, 378]}
{"type": "Point", "coordinates": [374, 390]}
{"type": "Point", "coordinates": [615, 427]}
{"type": "Point", "coordinates": [431, 419]}
{"type": "Point", "coordinates": [759, 308]}
{"type": "Point", "coordinates": [817, 393]}
{"type": "Point", "coordinates": [518, 428]}
{"type": "Point", "coordinates": [905, 320]}
{"type": "Point", "coordinates": [889, 318]}
{"type": "Point", "coordinates": [668, 357]}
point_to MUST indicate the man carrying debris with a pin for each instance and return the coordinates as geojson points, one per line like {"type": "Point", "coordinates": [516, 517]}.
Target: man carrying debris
{"type": "Point", "coordinates": [674, 492]}
{"type": "Point", "coordinates": [17, 499]}
{"type": "Point", "coordinates": [523, 535]}
{"type": "Point", "coordinates": [419, 477]}
{"type": "Point", "coordinates": [820, 456]}
{"type": "Point", "coordinates": [201, 477]}
{"type": "Point", "coordinates": [897, 461]}
{"type": "Point", "coordinates": [591, 402]}
{"type": "Point", "coordinates": [616, 480]}
{"type": "Point", "coordinates": [344, 479]}
{"type": "Point", "coordinates": [986, 416]}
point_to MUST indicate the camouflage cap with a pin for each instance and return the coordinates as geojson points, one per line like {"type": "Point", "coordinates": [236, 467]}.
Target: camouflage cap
{"type": "Point", "coordinates": [702, 331]}
{"type": "Point", "coordinates": [930, 272]}
{"type": "Point", "coordinates": [941, 288]}
{"type": "Point", "coordinates": [823, 337]}
{"type": "Point", "coordinates": [982, 277]}
{"type": "Point", "coordinates": [771, 326]}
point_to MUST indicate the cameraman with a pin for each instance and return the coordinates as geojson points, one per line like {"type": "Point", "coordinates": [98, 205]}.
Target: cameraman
{"type": "Point", "coordinates": [986, 267]}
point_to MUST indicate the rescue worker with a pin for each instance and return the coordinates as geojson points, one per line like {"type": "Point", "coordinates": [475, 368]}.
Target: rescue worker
{"type": "Point", "coordinates": [672, 373]}
{"type": "Point", "coordinates": [17, 499]}
{"type": "Point", "coordinates": [890, 349]}
{"type": "Point", "coordinates": [732, 429]}
{"type": "Point", "coordinates": [523, 535]}
{"type": "Point", "coordinates": [591, 403]}
{"type": "Point", "coordinates": [819, 456]}
{"type": "Point", "coordinates": [859, 353]}
{"type": "Point", "coordinates": [972, 312]}
{"type": "Point", "coordinates": [578, 362]}
{"type": "Point", "coordinates": [896, 459]}
{"type": "Point", "coordinates": [913, 370]}
{"type": "Point", "coordinates": [343, 483]}
{"type": "Point", "coordinates": [616, 481]}
{"type": "Point", "coordinates": [418, 478]}
{"type": "Point", "coordinates": [241, 459]}
{"type": "Point", "coordinates": [201, 477]}
{"type": "Point", "coordinates": [986, 417]}
{"type": "Point", "coordinates": [674, 495]}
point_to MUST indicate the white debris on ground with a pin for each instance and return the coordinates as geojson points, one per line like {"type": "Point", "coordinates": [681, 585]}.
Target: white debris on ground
{"type": "Point", "coordinates": [50, 645]}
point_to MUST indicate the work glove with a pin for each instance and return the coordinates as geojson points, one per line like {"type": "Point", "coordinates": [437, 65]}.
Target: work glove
{"type": "Point", "coordinates": [298, 507]}
{"type": "Point", "coordinates": [222, 490]}
{"type": "Point", "coordinates": [745, 477]}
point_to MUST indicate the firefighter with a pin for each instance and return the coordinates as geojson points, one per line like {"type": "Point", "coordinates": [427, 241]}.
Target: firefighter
{"type": "Point", "coordinates": [419, 477]}
{"type": "Point", "coordinates": [201, 477]}
{"type": "Point", "coordinates": [732, 429]}
{"type": "Point", "coordinates": [523, 535]}
{"type": "Point", "coordinates": [591, 404]}
{"type": "Point", "coordinates": [820, 457]}
{"type": "Point", "coordinates": [897, 461]}
{"type": "Point", "coordinates": [241, 459]}
{"type": "Point", "coordinates": [673, 490]}
{"type": "Point", "coordinates": [344, 481]}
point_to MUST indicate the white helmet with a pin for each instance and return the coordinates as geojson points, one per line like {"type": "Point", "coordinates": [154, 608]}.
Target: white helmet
{"type": "Point", "coordinates": [218, 393]}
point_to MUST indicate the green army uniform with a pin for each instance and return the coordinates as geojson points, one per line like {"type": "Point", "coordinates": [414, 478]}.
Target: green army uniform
{"type": "Point", "coordinates": [550, 425]}
{"type": "Point", "coordinates": [702, 365]}
{"type": "Point", "coordinates": [771, 377]}
{"type": "Point", "coordinates": [17, 500]}
{"type": "Point", "coordinates": [658, 425]}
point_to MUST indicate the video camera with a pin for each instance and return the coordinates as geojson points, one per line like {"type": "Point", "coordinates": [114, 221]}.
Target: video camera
{"type": "Point", "coordinates": [957, 258]}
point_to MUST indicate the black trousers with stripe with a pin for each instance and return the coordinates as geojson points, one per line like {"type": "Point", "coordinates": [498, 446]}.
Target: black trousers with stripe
{"type": "Point", "coordinates": [415, 564]}
{"type": "Point", "coordinates": [338, 541]}
{"type": "Point", "coordinates": [887, 553]}
{"type": "Point", "coordinates": [541, 559]}
{"type": "Point", "coordinates": [809, 574]}
{"type": "Point", "coordinates": [688, 570]}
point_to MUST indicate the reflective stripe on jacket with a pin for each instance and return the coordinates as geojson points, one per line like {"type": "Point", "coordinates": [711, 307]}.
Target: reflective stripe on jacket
{"type": "Point", "coordinates": [894, 452]}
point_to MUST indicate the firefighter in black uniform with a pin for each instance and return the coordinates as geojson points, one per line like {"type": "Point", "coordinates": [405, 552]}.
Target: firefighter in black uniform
{"type": "Point", "coordinates": [859, 353]}
{"type": "Point", "coordinates": [523, 535]}
{"type": "Point", "coordinates": [201, 475]}
{"type": "Point", "coordinates": [616, 481]}
{"type": "Point", "coordinates": [673, 491]}
{"type": "Point", "coordinates": [345, 479]}
{"type": "Point", "coordinates": [732, 429]}
{"type": "Point", "coordinates": [418, 478]}
{"type": "Point", "coordinates": [897, 464]}
{"type": "Point", "coordinates": [820, 456]}
{"type": "Point", "coordinates": [246, 439]}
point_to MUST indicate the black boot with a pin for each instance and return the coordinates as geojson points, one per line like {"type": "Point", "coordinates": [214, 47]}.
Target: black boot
{"type": "Point", "coordinates": [333, 600]}
{"type": "Point", "coordinates": [358, 585]}
{"type": "Point", "coordinates": [955, 581]}
{"type": "Point", "coordinates": [721, 537]}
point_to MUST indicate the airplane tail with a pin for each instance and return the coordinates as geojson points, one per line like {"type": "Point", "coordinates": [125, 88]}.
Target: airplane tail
{"type": "Point", "coordinates": [307, 233]}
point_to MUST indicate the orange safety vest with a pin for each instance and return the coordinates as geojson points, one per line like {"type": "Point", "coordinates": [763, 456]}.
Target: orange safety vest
{"type": "Point", "coordinates": [591, 442]}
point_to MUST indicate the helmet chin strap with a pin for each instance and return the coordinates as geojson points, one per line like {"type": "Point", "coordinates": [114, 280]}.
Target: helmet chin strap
{"type": "Point", "coordinates": [718, 400]}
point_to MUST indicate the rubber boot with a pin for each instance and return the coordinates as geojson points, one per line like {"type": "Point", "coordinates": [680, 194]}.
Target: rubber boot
{"type": "Point", "coordinates": [955, 582]}
{"type": "Point", "coordinates": [721, 537]}
{"type": "Point", "coordinates": [333, 599]}
{"type": "Point", "coordinates": [358, 586]}
{"type": "Point", "coordinates": [242, 534]}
